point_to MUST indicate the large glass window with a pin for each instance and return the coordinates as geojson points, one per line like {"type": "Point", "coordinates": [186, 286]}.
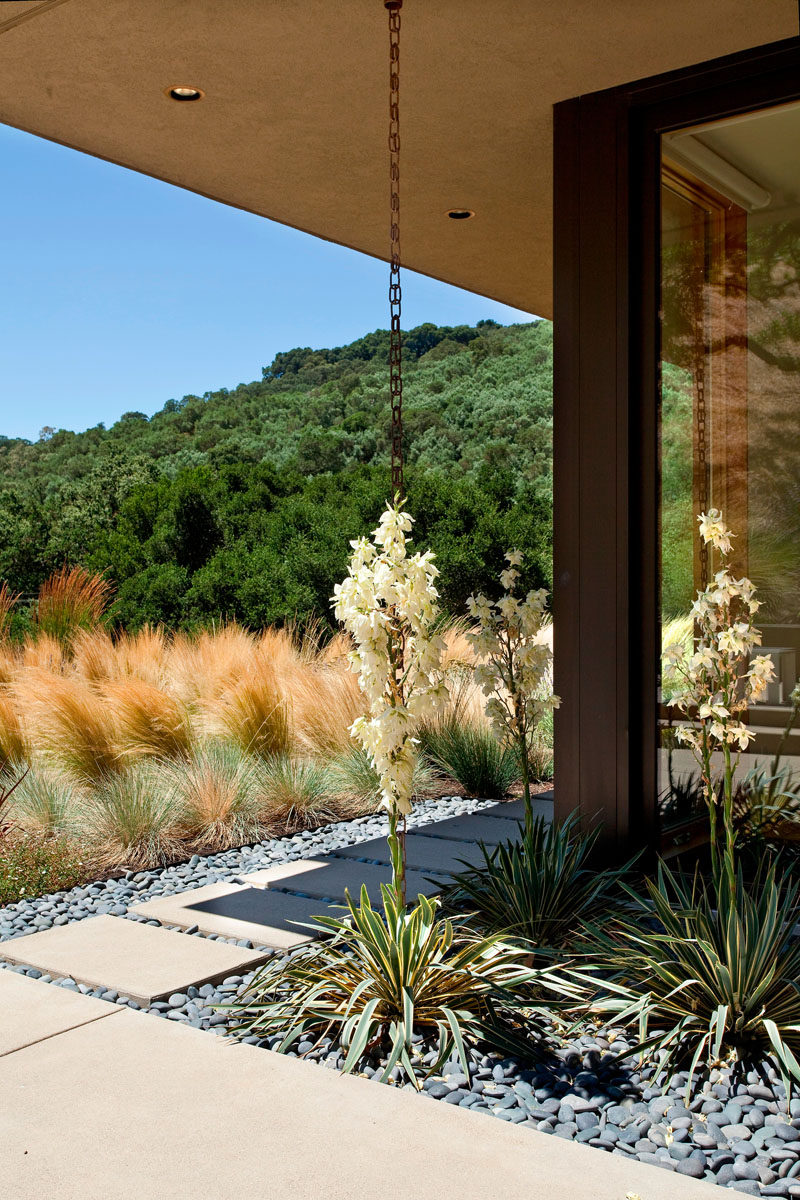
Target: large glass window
{"type": "Point", "coordinates": [730, 405]}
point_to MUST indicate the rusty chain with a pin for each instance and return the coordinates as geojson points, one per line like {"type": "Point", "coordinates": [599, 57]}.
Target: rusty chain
{"type": "Point", "coordinates": [395, 291]}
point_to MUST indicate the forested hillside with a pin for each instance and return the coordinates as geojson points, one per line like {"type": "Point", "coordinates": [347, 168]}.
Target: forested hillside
{"type": "Point", "coordinates": [239, 503]}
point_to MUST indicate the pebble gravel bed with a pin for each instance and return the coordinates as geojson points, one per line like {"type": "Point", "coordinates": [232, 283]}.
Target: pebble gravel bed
{"type": "Point", "coordinates": [741, 1133]}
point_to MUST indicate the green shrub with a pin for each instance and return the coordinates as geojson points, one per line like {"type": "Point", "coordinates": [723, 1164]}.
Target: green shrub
{"type": "Point", "coordinates": [706, 972]}
{"type": "Point", "coordinates": [382, 978]}
{"type": "Point", "coordinates": [540, 889]}
{"type": "Point", "coordinates": [31, 867]}
{"type": "Point", "coordinates": [469, 752]}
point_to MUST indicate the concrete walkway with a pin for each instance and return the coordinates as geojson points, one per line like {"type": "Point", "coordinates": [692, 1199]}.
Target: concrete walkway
{"type": "Point", "coordinates": [117, 1104]}
{"type": "Point", "coordinates": [269, 908]}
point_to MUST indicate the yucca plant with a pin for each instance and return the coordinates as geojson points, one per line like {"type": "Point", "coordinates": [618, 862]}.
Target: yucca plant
{"type": "Point", "coordinates": [707, 973]}
{"type": "Point", "coordinates": [541, 889]}
{"type": "Point", "coordinates": [130, 818]}
{"type": "Point", "coordinates": [383, 977]}
{"type": "Point", "coordinates": [469, 752]}
{"type": "Point", "coordinates": [220, 797]}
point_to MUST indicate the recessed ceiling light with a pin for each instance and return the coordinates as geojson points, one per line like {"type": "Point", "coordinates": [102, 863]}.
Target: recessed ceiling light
{"type": "Point", "coordinates": [180, 91]}
{"type": "Point", "coordinates": [460, 214]}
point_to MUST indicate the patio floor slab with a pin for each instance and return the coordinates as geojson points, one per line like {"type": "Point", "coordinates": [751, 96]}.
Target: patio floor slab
{"type": "Point", "coordinates": [328, 878]}
{"type": "Point", "coordinates": [137, 1106]}
{"type": "Point", "coordinates": [429, 854]}
{"type": "Point", "coordinates": [31, 1011]}
{"type": "Point", "coordinates": [136, 960]}
{"type": "Point", "coordinates": [514, 810]}
{"type": "Point", "coordinates": [472, 827]}
{"type": "Point", "coordinates": [261, 916]}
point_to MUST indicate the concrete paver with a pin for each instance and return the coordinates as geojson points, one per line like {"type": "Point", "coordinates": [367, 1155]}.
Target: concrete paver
{"type": "Point", "coordinates": [136, 960]}
{"type": "Point", "coordinates": [138, 1106]}
{"type": "Point", "coordinates": [472, 827]}
{"type": "Point", "coordinates": [266, 918]}
{"type": "Point", "coordinates": [428, 854]}
{"type": "Point", "coordinates": [31, 1011]}
{"type": "Point", "coordinates": [514, 810]}
{"type": "Point", "coordinates": [328, 879]}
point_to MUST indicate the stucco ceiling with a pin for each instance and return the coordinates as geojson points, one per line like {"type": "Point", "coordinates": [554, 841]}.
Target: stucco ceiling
{"type": "Point", "coordinates": [293, 122]}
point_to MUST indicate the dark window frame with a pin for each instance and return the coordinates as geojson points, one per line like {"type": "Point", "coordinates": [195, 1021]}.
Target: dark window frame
{"type": "Point", "coordinates": [606, 378]}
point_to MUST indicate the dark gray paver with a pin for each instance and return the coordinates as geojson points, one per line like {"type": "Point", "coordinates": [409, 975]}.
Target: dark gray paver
{"type": "Point", "coordinates": [430, 854]}
{"type": "Point", "coordinates": [514, 810]}
{"type": "Point", "coordinates": [327, 879]}
{"type": "Point", "coordinates": [474, 827]}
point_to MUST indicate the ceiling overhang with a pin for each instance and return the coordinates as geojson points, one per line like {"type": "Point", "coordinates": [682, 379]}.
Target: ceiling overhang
{"type": "Point", "coordinates": [293, 123]}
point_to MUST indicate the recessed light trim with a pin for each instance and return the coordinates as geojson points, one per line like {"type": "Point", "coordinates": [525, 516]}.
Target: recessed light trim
{"type": "Point", "coordinates": [183, 93]}
{"type": "Point", "coordinates": [460, 214]}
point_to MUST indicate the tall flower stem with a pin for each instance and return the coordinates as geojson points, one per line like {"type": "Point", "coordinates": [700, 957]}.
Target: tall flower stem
{"type": "Point", "coordinates": [397, 849]}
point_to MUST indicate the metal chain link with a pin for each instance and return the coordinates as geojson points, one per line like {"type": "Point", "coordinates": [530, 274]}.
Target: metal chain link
{"type": "Point", "coordinates": [395, 291]}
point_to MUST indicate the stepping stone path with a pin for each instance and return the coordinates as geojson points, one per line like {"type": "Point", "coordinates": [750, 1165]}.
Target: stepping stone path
{"type": "Point", "coordinates": [135, 959]}
{"type": "Point", "coordinates": [267, 908]}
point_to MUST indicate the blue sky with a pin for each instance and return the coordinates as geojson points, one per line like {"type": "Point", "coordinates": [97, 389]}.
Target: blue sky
{"type": "Point", "coordinates": [119, 292]}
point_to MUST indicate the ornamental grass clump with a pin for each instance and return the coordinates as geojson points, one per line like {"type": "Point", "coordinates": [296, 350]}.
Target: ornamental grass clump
{"type": "Point", "coordinates": [515, 664]}
{"type": "Point", "coordinates": [71, 599]}
{"type": "Point", "coordinates": [469, 752]}
{"type": "Point", "coordinates": [219, 797]}
{"type": "Point", "coordinates": [297, 793]}
{"type": "Point", "coordinates": [385, 976]}
{"type": "Point", "coordinates": [388, 604]}
{"type": "Point", "coordinates": [130, 818]}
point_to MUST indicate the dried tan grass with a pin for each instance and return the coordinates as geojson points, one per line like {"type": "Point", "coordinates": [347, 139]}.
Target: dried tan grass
{"type": "Point", "coordinates": [325, 703]}
{"type": "Point", "coordinates": [94, 655]}
{"type": "Point", "coordinates": [44, 653]}
{"type": "Point", "coordinates": [70, 721]}
{"type": "Point", "coordinates": [13, 742]}
{"type": "Point", "coordinates": [203, 666]}
{"type": "Point", "coordinates": [149, 722]}
{"type": "Point", "coordinates": [72, 598]}
{"type": "Point", "coordinates": [256, 714]}
{"type": "Point", "coordinates": [220, 798]}
{"type": "Point", "coordinates": [145, 655]}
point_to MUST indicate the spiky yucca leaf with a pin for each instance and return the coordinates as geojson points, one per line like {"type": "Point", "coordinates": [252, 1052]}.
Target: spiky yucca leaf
{"type": "Point", "coordinates": [540, 889]}
{"type": "Point", "coordinates": [706, 972]}
{"type": "Point", "coordinates": [384, 976]}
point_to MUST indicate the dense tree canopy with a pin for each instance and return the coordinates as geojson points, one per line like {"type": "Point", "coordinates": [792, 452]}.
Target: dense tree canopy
{"type": "Point", "coordinates": [240, 503]}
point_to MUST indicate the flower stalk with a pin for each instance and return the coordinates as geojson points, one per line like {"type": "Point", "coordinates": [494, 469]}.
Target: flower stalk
{"type": "Point", "coordinates": [515, 664]}
{"type": "Point", "coordinates": [388, 604]}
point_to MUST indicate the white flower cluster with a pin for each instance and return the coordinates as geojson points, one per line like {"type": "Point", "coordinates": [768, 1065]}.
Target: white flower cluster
{"type": "Point", "coordinates": [388, 603]}
{"type": "Point", "coordinates": [515, 667]}
{"type": "Point", "coordinates": [718, 679]}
